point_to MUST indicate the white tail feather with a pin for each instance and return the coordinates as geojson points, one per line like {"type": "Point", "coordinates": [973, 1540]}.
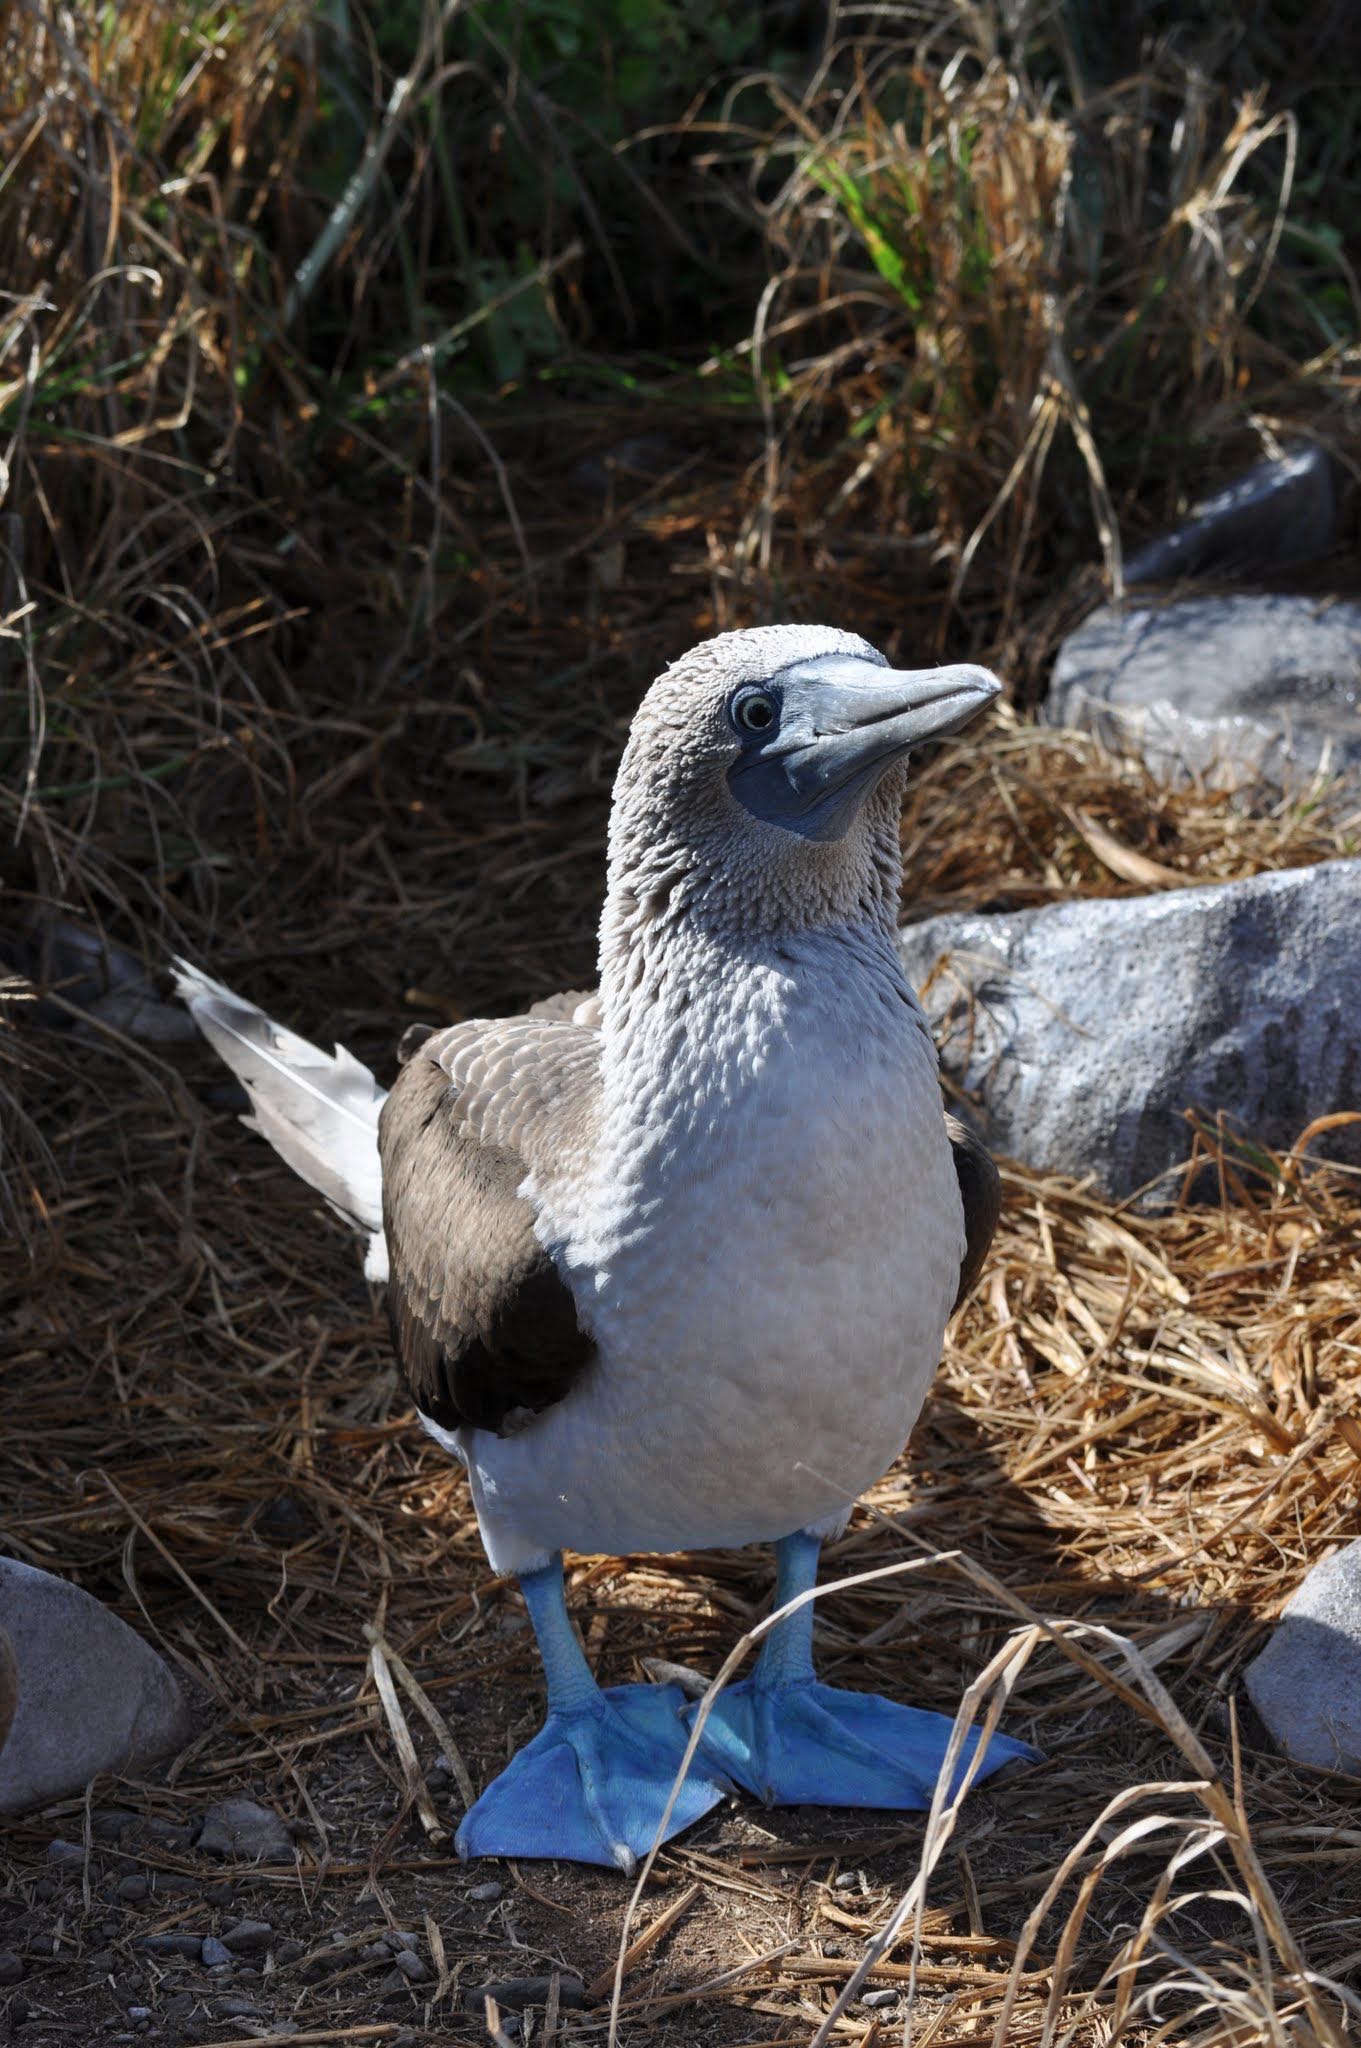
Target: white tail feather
{"type": "Point", "coordinates": [318, 1110]}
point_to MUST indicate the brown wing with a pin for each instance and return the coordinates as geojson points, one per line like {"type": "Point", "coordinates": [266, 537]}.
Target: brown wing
{"type": "Point", "coordinates": [980, 1188]}
{"type": "Point", "coordinates": [482, 1321]}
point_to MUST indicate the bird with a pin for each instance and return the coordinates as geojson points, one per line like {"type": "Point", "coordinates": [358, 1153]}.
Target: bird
{"type": "Point", "coordinates": [669, 1263]}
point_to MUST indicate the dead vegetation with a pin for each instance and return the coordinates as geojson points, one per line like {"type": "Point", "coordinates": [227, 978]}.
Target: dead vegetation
{"type": "Point", "coordinates": [316, 664]}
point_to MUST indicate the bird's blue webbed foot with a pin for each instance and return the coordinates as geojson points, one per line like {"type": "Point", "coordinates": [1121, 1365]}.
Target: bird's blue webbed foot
{"type": "Point", "coordinates": [794, 1742]}
{"type": "Point", "coordinates": [593, 1784]}
{"type": "Point", "coordinates": [799, 1743]}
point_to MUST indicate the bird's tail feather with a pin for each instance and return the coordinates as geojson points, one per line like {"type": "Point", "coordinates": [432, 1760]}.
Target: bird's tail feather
{"type": "Point", "coordinates": [318, 1110]}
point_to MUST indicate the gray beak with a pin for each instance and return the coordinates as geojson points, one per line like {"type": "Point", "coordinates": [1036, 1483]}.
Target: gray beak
{"type": "Point", "coordinates": [843, 721]}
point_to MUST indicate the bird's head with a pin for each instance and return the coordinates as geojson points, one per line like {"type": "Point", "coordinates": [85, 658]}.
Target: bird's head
{"type": "Point", "coordinates": [768, 766]}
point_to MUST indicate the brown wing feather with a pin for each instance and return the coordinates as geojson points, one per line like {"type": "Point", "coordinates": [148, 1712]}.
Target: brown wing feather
{"type": "Point", "coordinates": [980, 1188]}
{"type": "Point", "coordinates": [482, 1321]}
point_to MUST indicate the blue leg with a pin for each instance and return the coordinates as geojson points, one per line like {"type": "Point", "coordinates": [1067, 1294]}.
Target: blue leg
{"type": "Point", "coordinates": [593, 1784]}
{"type": "Point", "coordinates": [794, 1742]}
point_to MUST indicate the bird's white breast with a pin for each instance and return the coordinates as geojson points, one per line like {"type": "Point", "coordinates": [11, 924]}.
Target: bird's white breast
{"type": "Point", "coordinates": [766, 1252]}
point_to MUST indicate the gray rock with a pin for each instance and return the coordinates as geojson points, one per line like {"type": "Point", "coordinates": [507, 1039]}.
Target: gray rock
{"type": "Point", "coordinates": [1306, 1684]}
{"type": "Point", "coordinates": [245, 1832]}
{"type": "Point", "coordinates": [1255, 691]}
{"type": "Point", "coordinates": [92, 1696]}
{"type": "Point", "coordinates": [1083, 1031]}
{"type": "Point", "coordinates": [214, 1952]}
{"type": "Point", "coordinates": [11, 1969]}
{"type": "Point", "coordinates": [135, 1888]}
{"type": "Point", "coordinates": [411, 1966]}
{"type": "Point", "coordinates": [1273, 516]}
{"type": "Point", "coordinates": [483, 1894]}
{"type": "Point", "coordinates": [518, 1992]}
{"type": "Point", "coordinates": [189, 1946]}
{"type": "Point", "coordinates": [65, 1852]}
{"type": "Point", "coordinates": [248, 1936]}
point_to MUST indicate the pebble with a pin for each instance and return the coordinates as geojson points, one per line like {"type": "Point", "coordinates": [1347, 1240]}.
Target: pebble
{"type": "Point", "coordinates": [485, 1893]}
{"type": "Point", "coordinates": [172, 1945]}
{"type": "Point", "coordinates": [139, 2012]}
{"type": "Point", "coordinates": [411, 1966]}
{"type": "Point", "coordinates": [215, 1953]}
{"type": "Point", "coordinates": [248, 1935]}
{"type": "Point", "coordinates": [875, 2001]}
{"type": "Point", "coordinates": [111, 1822]}
{"type": "Point", "coordinates": [65, 1852]}
{"type": "Point", "coordinates": [11, 1969]}
{"type": "Point", "coordinates": [102, 1961]}
{"type": "Point", "coordinates": [848, 1881]}
{"type": "Point", "coordinates": [134, 1889]}
{"type": "Point", "coordinates": [437, 1780]}
{"type": "Point", "coordinates": [235, 2008]}
{"type": "Point", "coordinates": [521, 1991]}
{"type": "Point", "coordinates": [246, 1832]}
{"type": "Point", "coordinates": [46, 1888]}
{"type": "Point", "coordinates": [402, 1938]}
{"type": "Point", "coordinates": [288, 1952]}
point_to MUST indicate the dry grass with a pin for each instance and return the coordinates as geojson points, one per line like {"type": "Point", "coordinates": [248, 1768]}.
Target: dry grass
{"type": "Point", "coordinates": [320, 674]}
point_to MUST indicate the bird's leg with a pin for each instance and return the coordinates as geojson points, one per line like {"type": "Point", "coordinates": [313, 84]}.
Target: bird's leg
{"type": "Point", "coordinates": [794, 1742]}
{"type": "Point", "coordinates": [593, 1784]}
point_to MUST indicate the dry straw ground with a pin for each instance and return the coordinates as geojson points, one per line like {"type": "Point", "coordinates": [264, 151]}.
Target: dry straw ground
{"type": "Point", "coordinates": [320, 676]}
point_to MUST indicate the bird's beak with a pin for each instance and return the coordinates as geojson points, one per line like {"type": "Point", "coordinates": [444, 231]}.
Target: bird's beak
{"type": "Point", "coordinates": [844, 721]}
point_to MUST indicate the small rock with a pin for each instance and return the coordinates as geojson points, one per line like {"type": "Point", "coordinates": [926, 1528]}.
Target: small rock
{"type": "Point", "coordinates": [11, 1969]}
{"type": "Point", "coordinates": [375, 1952]}
{"type": "Point", "coordinates": [170, 1834]}
{"type": "Point", "coordinates": [288, 1952]}
{"type": "Point", "coordinates": [518, 1992]}
{"type": "Point", "coordinates": [134, 1888]}
{"type": "Point", "coordinates": [214, 1952]}
{"type": "Point", "coordinates": [111, 1823]}
{"type": "Point", "coordinates": [485, 1893]}
{"type": "Point", "coordinates": [235, 2008]}
{"type": "Point", "coordinates": [1084, 1030]}
{"type": "Point", "coordinates": [1238, 690]}
{"type": "Point", "coordinates": [65, 1852]}
{"type": "Point", "coordinates": [172, 1945]}
{"type": "Point", "coordinates": [284, 1519]}
{"type": "Point", "coordinates": [248, 1936]}
{"type": "Point", "coordinates": [101, 1962]}
{"type": "Point", "coordinates": [139, 2012]}
{"type": "Point", "coordinates": [411, 1966]}
{"type": "Point", "coordinates": [91, 1695]}
{"type": "Point", "coordinates": [1306, 1684]}
{"type": "Point", "coordinates": [46, 1888]}
{"type": "Point", "coordinates": [245, 1832]}
{"type": "Point", "coordinates": [848, 1881]}
{"type": "Point", "coordinates": [437, 1780]}
{"type": "Point", "coordinates": [875, 2001]}
{"type": "Point", "coordinates": [176, 2010]}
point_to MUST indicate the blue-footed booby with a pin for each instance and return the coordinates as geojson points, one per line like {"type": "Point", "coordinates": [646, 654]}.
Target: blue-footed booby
{"type": "Point", "coordinates": [669, 1266]}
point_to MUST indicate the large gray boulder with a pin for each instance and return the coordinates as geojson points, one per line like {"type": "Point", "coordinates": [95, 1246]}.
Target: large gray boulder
{"type": "Point", "coordinates": [1279, 513]}
{"type": "Point", "coordinates": [1255, 691]}
{"type": "Point", "coordinates": [1306, 1685]}
{"type": "Point", "coordinates": [1084, 1031]}
{"type": "Point", "coordinates": [90, 1695]}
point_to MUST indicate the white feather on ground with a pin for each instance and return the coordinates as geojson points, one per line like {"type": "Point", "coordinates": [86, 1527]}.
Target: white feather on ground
{"type": "Point", "coordinates": [318, 1110]}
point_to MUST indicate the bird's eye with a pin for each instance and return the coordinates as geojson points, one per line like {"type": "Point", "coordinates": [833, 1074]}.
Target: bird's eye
{"type": "Point", "coordinates": [753, 711]}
